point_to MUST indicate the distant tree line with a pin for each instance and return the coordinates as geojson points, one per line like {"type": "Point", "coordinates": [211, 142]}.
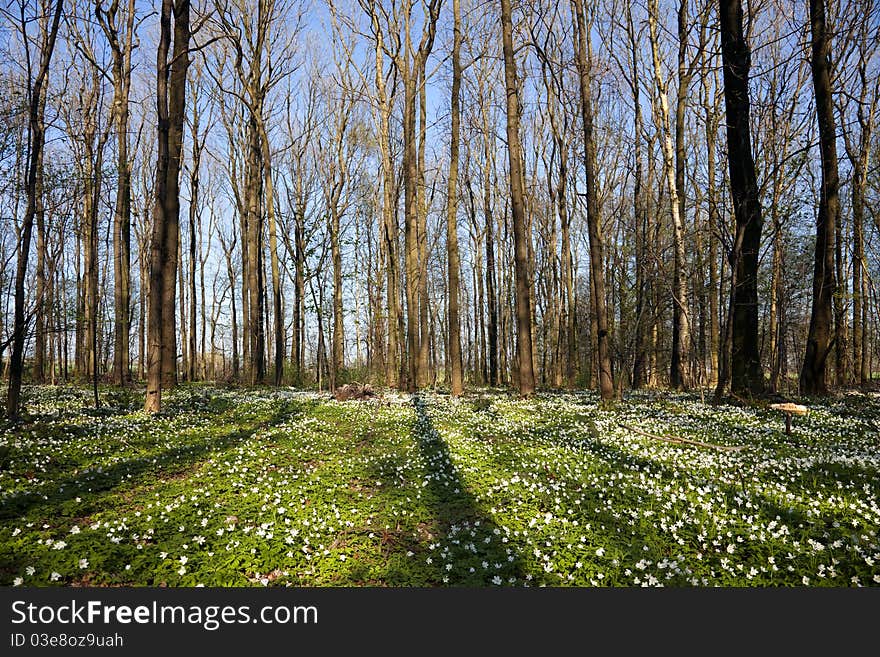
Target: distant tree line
{"type": "Point", "coordinates": [606, 194]}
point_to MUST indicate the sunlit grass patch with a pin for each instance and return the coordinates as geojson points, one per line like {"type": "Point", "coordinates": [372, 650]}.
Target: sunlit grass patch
{"type": "Point", "coordinates": [277, 487]}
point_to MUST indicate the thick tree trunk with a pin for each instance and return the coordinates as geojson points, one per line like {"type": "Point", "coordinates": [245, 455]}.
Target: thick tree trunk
{"type": "Point", "coordinates": [171, 108]}
{"type": "Point", "coordinates": [820, 335]}
{"type": "Point", "coordinates": [747, 376]}
{"type": "Point", "coordinates": [253, 244]}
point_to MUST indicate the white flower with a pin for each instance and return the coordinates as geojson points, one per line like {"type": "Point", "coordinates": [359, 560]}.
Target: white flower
{"type": "Point", "coordinates": [183, 560]}
{"type": "Point", "coordinates": [16, 531]}
{"type": "Point", "coordinates": [181, 570]}
{"type": "Point", "coordinates": [496, 580]}
{"type": "Point", "coordinates": [74, 529]}
{"type": "Point", "coordinates": [59, 545]}
{"type": "Point", "coordinates": [17, 581]}
{"type": "Point", "coordinates": [54, 577]}
{"type": "Point", "coordinates": [877, 578]}
{"type": "Point", "coordinates": [83, 563]}
{"type": "Point", "coordinates": [600, 552]}
{"type": "Point", "coordinates": [806, 580]}
{"type": "Point", "coordinates": [29, 570]}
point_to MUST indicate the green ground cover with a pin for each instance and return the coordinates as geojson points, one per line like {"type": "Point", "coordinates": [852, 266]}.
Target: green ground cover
{"type": "Point", "coordinates": [263, 487]}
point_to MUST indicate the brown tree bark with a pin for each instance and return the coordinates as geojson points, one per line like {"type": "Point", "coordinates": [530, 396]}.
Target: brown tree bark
{"type": "Point", "coordinates": [37, 131]}
{"type": "Point", "coordinates": [678, 370]}
{"type": "Point", "coordinates": [859, 152]}
{"type": "Point", "coordinates": [121, 42]}
{"type": "Point", "coordinates": [452, 254]}
{"type": "Point", "coordinates": [747, 376]}
{"type": "Point", "coordinates": [171, 108]}
{"type": "Point", "coordinates": [41, 314]}
{"type": "Point", "coordinates": [820, 335]}
{"type": "Point", "coordinates": [594, 218]}
{"type": "Point", "coordinates": [521, 239]}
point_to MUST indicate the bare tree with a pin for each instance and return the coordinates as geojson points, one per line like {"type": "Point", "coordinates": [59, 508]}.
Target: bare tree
{"type": "Point", "coordinates": [678, 376]}
{"type": "Point", "coordinates": [747, 374]}
{"type": "Point", "coordinates": [452, 254]}
{"type": "Point", "coordinates": [121, 40]}
{"type": "Point", "coordinates": [521, 237]}
{"type": "Point", "coordinates": [594, 218]}
{"type": "Point", "coordinates": [164, 243]}
{"type": "Point", "coordinates": [820, 337]}
{"type": "Point", "coordinates": [36, 133]}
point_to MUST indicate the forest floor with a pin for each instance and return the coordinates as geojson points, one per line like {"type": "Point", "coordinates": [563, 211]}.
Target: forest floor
{"type": "Point", "coordinates": [255, 487]}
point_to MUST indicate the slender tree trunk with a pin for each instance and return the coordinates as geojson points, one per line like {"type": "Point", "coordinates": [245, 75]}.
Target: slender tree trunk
{"type": "Point", "coordinates": [390, 241]}
{"type": "Point", "coordinates": [42, 310]}
{"type": "Point", "coordinates": [454, 264]}
{"type": "Point", "coordinates": [678, 377]}
{"type": "Point", "coordinates": [491, 288]}
{"type": "Point", "coordinates": [184, 327]}
{"type": "Point", "coordinates": [521, 238]}
{"type": "Point", "coordinates": [36, 128]}
{"type": "Point", "coordinates": [424, 369]}
{"type": "Point", "coordinates": [194, 212]}
{"type": "Point", "coordinates": [277, 307]}
{"type": "Point", "coordinates": [337, 345]}
{"type": "Point", "coordinates": [121, 49]}
{"type": "Point", "coordinates": [841, 330]}
{"type": "Point", "coordinates": [640, 214]}
{"type": "Point", "coordinates": [594, 219]}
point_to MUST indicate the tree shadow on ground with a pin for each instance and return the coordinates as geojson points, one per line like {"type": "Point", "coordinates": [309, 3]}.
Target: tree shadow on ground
{"type": "Point", "coordinates": [454, 541]}
{"type": "Point", "coordinates": [96, 483]}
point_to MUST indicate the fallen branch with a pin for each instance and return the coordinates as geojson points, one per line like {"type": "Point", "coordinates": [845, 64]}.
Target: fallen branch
{"type": "Point", "coordinates": [678, 439]}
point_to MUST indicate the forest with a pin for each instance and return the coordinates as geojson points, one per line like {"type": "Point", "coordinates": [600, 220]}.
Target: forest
{"type": "Point", "coordinates": [612, 195]}
{"type": "Point", "coordinates": [541, 247]}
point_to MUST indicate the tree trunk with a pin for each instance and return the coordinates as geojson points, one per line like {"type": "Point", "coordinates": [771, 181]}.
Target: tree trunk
{"type": "Point", "coordinates": [171, 108]}
{"type": "Point", "coordinates": [678, 371]}
{"type": "Point", "coordinates": [121, 49]}
{"type": "Point", "coordinates": [424, 369]}
{"type": "Point", "coordinates": [337, 345]}
{"type": "Point", "coordinates": [36, 128]}
{"type": "Point", "coordinates": [454, 264]}
{"type": "Point", "coordinates": [594, 219]}
{"type": "Point", "coordinates": [42, 310]}
{"type": "Point", "coordinates": [747, 376]}
{"type": "Point", "coordinates": [521, 238]}
{"type": "Point", "coordinates": [254, 245]}
{"type": "Point", "coordinates": [819, 337]}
